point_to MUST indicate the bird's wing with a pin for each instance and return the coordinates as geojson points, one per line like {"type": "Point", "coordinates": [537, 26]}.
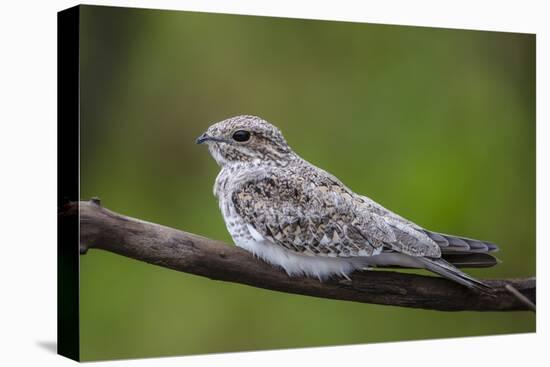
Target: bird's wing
{"type": "Point", "coordinates": [320, 216]}
{"type": "Point", "coordinates": [449, 244]}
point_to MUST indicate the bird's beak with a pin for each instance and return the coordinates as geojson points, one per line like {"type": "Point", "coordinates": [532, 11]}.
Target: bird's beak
{"type": "Point", "coordinates": [205, 137]}
{"type": "Point", "coordinates": [201, 139]}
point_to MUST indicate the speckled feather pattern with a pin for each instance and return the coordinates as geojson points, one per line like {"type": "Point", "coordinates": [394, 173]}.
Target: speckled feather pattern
{"type": "Point", "coordinates": [293, 214]}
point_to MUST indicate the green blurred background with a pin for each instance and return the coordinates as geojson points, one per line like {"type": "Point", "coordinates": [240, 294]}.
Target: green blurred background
{"type": "Point", "coordinates": [436, 124]}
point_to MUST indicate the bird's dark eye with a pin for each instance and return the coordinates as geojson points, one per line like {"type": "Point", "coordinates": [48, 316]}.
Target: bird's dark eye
{"type": "Point", "coordinates": [241, 135]}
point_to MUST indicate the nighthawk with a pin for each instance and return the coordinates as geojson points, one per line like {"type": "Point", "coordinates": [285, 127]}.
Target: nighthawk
{"type": "Point", "coordinates": [295, 215]}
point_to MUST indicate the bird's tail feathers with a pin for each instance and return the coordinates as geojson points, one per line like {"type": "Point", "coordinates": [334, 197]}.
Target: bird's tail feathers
{"type": "Point", "coordinates": [470, 260]}
{"type": "Point", "coordinates": [459, 244]}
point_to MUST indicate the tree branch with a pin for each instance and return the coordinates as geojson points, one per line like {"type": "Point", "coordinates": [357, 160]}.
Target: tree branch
{"type": "Point", "coordinates": [156, 244]}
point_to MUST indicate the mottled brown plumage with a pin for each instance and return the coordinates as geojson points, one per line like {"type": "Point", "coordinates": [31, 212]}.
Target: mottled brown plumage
{"type": "Point", "coordinates": [293, 214]}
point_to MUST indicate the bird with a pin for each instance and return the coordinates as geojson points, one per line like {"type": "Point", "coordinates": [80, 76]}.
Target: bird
{"type": "Point", "coordinates": [294, 215]}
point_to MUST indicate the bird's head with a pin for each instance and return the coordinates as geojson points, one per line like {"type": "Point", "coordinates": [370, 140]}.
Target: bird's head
{"type": "Point", "coordinates": [245, 139]}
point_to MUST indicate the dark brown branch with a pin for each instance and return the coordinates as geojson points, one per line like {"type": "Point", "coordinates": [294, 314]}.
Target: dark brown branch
{"type": "Point", "coordinates": [186, 252]}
